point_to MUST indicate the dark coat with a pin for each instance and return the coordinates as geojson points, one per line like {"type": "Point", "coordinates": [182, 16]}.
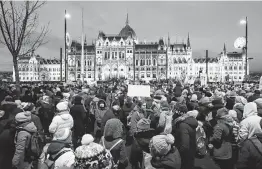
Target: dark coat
{"type": "Point", "coordinates": [185, 141]}
{"type": "Point", "coordinates": [78, 112]}
{"type": "Point", "coordinates": [249, 156]}
{"type": "Point", "coordinates": [221, 140]}
{"type": "Point", "coordinates": [7, 146]}
{"type": "Point", "coordinates": [143, 138]}
{"type": "Point", "coordinates": [253, 97]}
{"type": "Point", "coordinates": [118, 152]}
{"type": "Point", "coordinates": [108, 115]}
{"type": "Point", "coordinates": [171, 161]}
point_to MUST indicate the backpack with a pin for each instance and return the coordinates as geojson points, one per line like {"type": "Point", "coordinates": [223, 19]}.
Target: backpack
{"type": "Point", "coordinates": [35, 146]}
{"type": "Point", "coordinates": [50, 162]}
{"type": "Point", "coordinates": [115, 165]}
{"type": "Point", "coordinates": [201, 141]}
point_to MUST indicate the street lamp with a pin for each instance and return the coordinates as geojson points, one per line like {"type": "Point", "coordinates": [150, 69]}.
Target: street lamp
{"type": "Point", "coordinates": [244, 22]}
{"type": "Point", "coordinates": [67, 16]}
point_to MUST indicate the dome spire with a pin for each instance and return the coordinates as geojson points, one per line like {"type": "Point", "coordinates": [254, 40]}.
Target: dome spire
{"type": "Point", "coordinates": [225, 50]}
{"type": "Point", "coordinates": [127, 21]}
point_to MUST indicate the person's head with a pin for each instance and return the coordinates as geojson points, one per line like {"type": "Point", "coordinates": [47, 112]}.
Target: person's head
{"type": "Point", "coordinates": [27, 106]}
{"type": "Point", "coordinates": [128, 100]}
{"type": "Point", "coordinates": [160, 145]}
{"type": "Point", "coordinates": [23, 117]}
{"type": "Point", "coordinates": [2, 113]}
{"type": "Point", "coordinates": [62, 108]}
{"type": "Point", "coordinates": [113, 129]}
{"type": "Point", "coordinates": [101, 104]}
{"type": "Point", "coordinates": [78, 100]}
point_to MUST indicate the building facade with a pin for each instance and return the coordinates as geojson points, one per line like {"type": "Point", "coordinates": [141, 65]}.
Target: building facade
{"type": "Point", "coordinates": [35, 68]}
{"type": "Point", "coordinates": [123, 56]}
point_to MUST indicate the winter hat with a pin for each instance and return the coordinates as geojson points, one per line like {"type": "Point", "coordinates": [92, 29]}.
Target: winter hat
{"type": "Point", "coordinates": [164, 106]}
{"type": "Point", "coordinates": [66, 95]}
{"type": "Point", "coordinates": [181, 108]}
{"type": "Point", "coordinates": [221, 112]}
{"type": "Point", "coordinates": [46, 99]}
{"type": "Point", "coordinates": [193, 97]}
{"type": "Point", "coordinates": [58, 89]}
{"type": "Point", "coordinates": [143, 125]}
{"type": "Point", "coordinates": [62, 106]}
{"type": "Point", "coordinates": [250, 109]}
{"type": "Point", "coordinates": [116, 107]}
{"type": "Point", "coordinates": [87, 139]}
{"type": "Point", "coordinates": [257, 92]}
{"type": "Point", "coordinates": [160, 145]}
{"type": "Point", "coordinates": [113, 129]}
{"type": "Point", "coordinates": [193, 113]}
{"type": "Point", "coordinates": [78, 99]}
{"type": "Point", "coordinates": [9, 99]}
{"type": "Point", "coordinates": [233, 114]}
{"type": "Point", "coordinates": [62, 134]}
{"type": "Point", "coordinates": [23, 116]}
{"type": "Point", "coordinates": [204, 100]}
{"type": "Point", "coordinates": [27, 106]}
{"type": "Point", "coordinates": [92, 155]}
{"type": "Point", "coordinates": [241, 99]}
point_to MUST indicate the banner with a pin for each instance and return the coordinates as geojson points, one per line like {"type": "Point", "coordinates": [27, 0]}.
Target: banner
{"type": "Point", "coordinates": [138, 91]}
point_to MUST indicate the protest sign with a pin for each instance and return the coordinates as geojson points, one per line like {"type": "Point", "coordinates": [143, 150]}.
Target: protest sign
{"type": "Point", "coordinates": [138, 90]}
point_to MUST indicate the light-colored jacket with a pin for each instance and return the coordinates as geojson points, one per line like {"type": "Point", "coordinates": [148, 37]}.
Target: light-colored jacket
{"type": "Point", "coordinates": [65, 160]}
{"type": "Point", "coordinates": [251, 123]}
{"type": "Point", "coordinates": [60, 122]}
{"type": "Point", "coordinates": [22, 140]}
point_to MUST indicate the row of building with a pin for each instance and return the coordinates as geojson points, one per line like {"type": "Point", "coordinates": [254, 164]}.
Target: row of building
{"type": "Point", "coordinates": [123, 56]}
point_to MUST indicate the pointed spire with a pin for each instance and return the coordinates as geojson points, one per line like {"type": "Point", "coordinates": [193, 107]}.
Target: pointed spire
{"type": "Point", "coordinates": [168, 39]}
{"type": "Point", "coordinates": [127, 21]}
{"type": "Point", "coordinates": [85, 40]}
{"type": "Point", "coordinates": [225, 50]}
{"type": "Point", "coordinates": [188, 41]}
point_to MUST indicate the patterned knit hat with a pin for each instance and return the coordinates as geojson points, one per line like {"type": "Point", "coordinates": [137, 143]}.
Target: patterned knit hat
{"type": "Point", "coordinates": [23, 116]}
{"type": "Point", "coordinates": [93, 156]}
{"type": "Point", "coordinates": [160, 145]}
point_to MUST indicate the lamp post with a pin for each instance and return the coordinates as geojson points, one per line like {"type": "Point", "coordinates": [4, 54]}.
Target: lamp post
{"type": "Point", "coordinates": [245, 47]}
{"type": "Point", "coordinates": [67, 16]}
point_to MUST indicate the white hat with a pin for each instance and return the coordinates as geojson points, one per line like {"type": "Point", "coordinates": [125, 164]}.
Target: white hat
{"type": "Point", "coordinates": [62, 106]}
{"type": "Point", "coordinates": [87, 139]}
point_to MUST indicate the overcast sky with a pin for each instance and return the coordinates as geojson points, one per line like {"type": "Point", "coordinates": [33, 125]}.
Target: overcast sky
{"type": "Point", "coordinates": [210, 25]}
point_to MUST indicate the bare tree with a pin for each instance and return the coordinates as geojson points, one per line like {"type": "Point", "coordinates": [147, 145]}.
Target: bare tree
{"type": "Point", "coordinates": [18, 24]}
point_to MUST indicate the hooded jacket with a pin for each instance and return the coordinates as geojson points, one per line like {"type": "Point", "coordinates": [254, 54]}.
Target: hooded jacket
{"type": "Point", "coordinates": [259, 106]}
{"type": "Point", "coordinates": [61, 121]}
{"type": "Point", "coordinates": [250, 155]}
{"type": "Point", "coordinates": [184, 131]}
{"type": "Point", "coordinates": [78, 114]}
{"type": "Point", "coordinates": [250, 125]}
{"type": "Point", "coordinates": [22, 140]}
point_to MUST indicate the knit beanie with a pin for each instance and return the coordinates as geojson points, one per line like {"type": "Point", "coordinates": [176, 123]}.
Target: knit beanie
{"type": "Point", "coordinates": [23, 116]}
{"type": "Point", "coordinates": [9, 99]}
{"type": "Point", "coordinates": [164, 105]}
{"type": "Point", "coordinates": [160, 145]}
{"type": "Point", "coordinates": [143, 125]}
{"type": "Point", "coordinates": [221, 112]}
{"type": "Point", "coordinates": [62, 134]}
{"type": "Point", "coordinates": [62, 106]}
{"type": "Point", "coordinates": [87, 139]}
{"type": "Point", "coordinates": [193, 97]}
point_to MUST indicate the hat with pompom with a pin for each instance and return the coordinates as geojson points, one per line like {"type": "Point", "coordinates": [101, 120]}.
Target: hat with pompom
{"type": "Point", "coordinates": [160, 145]}
{"type": "Point", "coordinates": [87, 139]}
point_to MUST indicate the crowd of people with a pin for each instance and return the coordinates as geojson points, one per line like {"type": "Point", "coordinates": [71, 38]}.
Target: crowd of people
{"type": "Point", "coordinates": [56, 126]}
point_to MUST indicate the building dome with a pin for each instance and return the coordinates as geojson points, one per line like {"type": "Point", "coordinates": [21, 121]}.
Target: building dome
{"type": "Point", "coordinates": [127, 30]}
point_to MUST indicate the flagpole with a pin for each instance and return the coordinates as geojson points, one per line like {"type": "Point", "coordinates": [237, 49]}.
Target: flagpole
{"type": "Point", "coordinates": [82, 53]}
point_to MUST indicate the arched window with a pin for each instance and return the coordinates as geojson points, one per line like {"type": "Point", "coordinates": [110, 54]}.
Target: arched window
{"type": "Point", "coordinates": [105, 55]}
{"type": "Point", "coordinates": [154, 62]}
{"type": "Point", "coordinates": [121, 43]}
{"type": "Point", "coordinates": [106, 43]}
{"type": "Point", "coordinates": [99, 44]}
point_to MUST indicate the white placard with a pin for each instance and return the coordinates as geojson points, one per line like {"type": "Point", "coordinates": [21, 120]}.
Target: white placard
{"type": "Point", "coordinates": [138, 90]}
{"type": "Point", "coordinates": [260, 83]}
